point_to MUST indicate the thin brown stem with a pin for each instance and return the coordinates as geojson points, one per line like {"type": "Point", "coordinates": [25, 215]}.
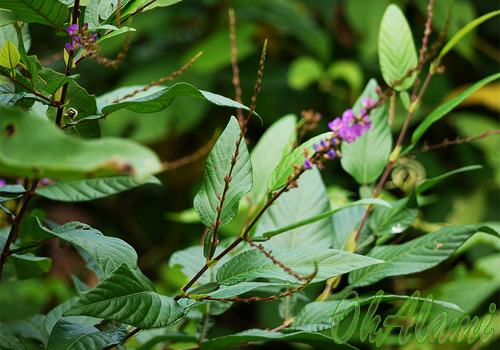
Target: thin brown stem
{"type": "Point", "coordinates": [234, 64]}
{"type": "Point", "coordinates": [457, 141]}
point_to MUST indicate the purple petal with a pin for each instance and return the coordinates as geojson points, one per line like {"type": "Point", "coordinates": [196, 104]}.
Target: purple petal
{"type": "Point", "coordinates": [348, 116]}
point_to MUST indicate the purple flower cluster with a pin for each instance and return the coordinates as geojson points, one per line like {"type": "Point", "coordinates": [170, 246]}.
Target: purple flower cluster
{"type": "Point", "coordinates": [77, 40]}
{"type": "Point", "coordinates": [348, 128]}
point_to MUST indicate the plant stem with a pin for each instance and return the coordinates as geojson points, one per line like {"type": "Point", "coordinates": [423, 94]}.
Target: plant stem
{"type": "Point", "coordinates": [15, 226]}
{"type": "Point", "coordinates": [69, 65]}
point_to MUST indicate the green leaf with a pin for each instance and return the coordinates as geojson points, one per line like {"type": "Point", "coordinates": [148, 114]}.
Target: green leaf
{"type": "Point", "coordinates": [293, 208]}
{"type": "Point", "coordinates": [57, 83]}
{"type": "Point", "coordinates": [12, 190]}
{"type": "Point", "coordinates": [73, 190]}
{"type": "Point", "coordinates": [109, 252]}
{"type": "Point", "coordinates": [447, 106]}
{"type": "Point", "coordinates": [280, 174]}
{"type": "Point", "coordinates": [303, 72]}
{"type": "Point", "coordinates": [254, 264]}
{"type": "Point", "coordinates": [28, 265]}
{"type": "Point", "coordinates": [429, 183]}
{"type": "Point", "coordinates": [414, 256]}
{"type": "Point", "coordinates": [9, 56]}
{"type": "Point", "coordinates": [366, 201]}
{"type": "Point", "coordinates": [33, 147]}
{"type": "Point", "coordinates": [464, 31]}
{"type": "Point", "coordinates": [160, 100]}
{"type": "Point", "coordinates": [8, 341]}
{"type": "Point", "coordinates": [48, 12]}
{"type": "Point", "coordinates": [345, 224]}
{"type": "Point", "coordinates": [72, 336]}
{"type": "Point", "coordinates": [99, 12]}
{"type": "Point", "coordinates": [395, 219]}
{"type": "Point", "coordinates": [365, 158]}
{"type": "Point", "coordinates": [318, 340]}
{"type": "Point", "coordinates": [31, 327]}
{"type": "Point", "coordinates": [268, 152]}
{"type": "Point", "coordinates": [318, 315]}
{"type": "Point", "coordinates": [55, 315]}
{"type": "Point", "coordinates": [216, 169]}
{"type": "Point", "coordinates": [116, 31]}
{"type": "Point", "coordinates": [6, 18]}
{"type": "Point", "coordinates": [396, 48]}
{"type": "Point", "coordinates": [127, 296]}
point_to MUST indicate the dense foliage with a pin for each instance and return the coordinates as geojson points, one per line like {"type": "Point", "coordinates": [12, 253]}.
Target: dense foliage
{"type": "Point", "coordinates": [364, 159]}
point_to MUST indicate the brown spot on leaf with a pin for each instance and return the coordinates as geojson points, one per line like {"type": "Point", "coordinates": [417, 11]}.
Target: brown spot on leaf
{"type": "Point", "coordinates": [439, 245]}
{"type": "Point", "coordinates": [79, 227]}
{"type": "Point", "coordinates": [10, 129]}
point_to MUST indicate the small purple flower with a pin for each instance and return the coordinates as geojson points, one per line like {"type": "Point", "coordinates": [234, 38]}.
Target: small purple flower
{"type": "Point", "coordinates": [2, 182]}
{"type": "Point", "coordinates": [348, 116]}
{"type": "Point", "coordinates": [336, 125]}
{"type": "Point", "coordinates": [72, 29]}
{"type": "Point", "coordinates": [331, 154]}
{"type": "Point", "coordinates": [367, 102]}
{"type": "Point", "coordinates": [334, 141]}
{"type": "Point", "coordinates": [307, 164]}
{"type": "Point", "coordinates": [358, 129]}
{"type": "Point", "coordinates": [316, 147]}
{"type": "Point", "coordinates": [45, 181]}
{"type": "Point", "coordinates": [347, 134]}
{"type": "Point", "coordinates": [323, 143]}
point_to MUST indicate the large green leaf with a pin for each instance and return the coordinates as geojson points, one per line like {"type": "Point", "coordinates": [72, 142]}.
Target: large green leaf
{"type": "Point", "coordinates": [48, 12]}
{"type": "Point", "coordinates": [284, 169]}
{"type": "Point", "coordinates": [252, 335]}
{"type": "Point", "coordinates": [127, 296]}
{"type": "Point", "coordinates": [8, 341]}
{"type": "Point", "coordinates": [396, 48]}
{"type": "Point", "coordinates": [217, 168]}
{"type": "Point", "coordinates": [74, 190]}
{"type": "Point", "coordinates": [73, 336]}
{"type": "Point", "coordinates": [366, 201]}
{"type": "Point", "coordinates": [345, 224]}
{"type": "Point", "coordinates": [365, 158]}
{"type": "Point", "coordinates": [254, 264]}
{"type": "Point", "coordinates": [109, 252]}
{"type": "Point", "coordinates": [414, 256]}
{"type": "Point", "coordinates": [33, 147]}
{"type": "Point", "coordinates": [161, 99]}
{"type": "Point", "coordinates": [308, 200]}
{"type": "Point", "coordinates": [31, 327]}
{"type": "Point", "coordinates": [429, 183]}
{"type": "Point", "coordinates": [98, 12]}
{"type": "Point", "coordinates": [28, 265]}
{"type": "Point", "coordinates": [317, 316]}
{"type": "Point", "coordinates": [447, 106]}
{"type": "Point", "coordinates": [268, 152]}
{"type": "Point", "coordinates": [55, 315]}
{"type": "Point", "coordinates": [395, 219]}
{"type": "Point", "coordinates": [464, 31]}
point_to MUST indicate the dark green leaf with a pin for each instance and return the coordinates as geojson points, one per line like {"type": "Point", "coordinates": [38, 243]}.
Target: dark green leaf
{"type": "Point", "coordinates": [127, 296]}
{"type": "Point", "coordinates": [48, 12]}
{"type": "Point", "coordinates": [31, 327]}
{"type": "Point", "coordinates": [12, 190]}
{"type": "Point", "coordinates": [217, 169]}
{"type": "Point", "coordinates": [428, 183]}
{"type": "Point", "coordinates": [365, 158]}
{"type": "Point", "coordinates": [73, 336]}
{"type": "Point", "coordinates": [28, 265]}
{"type": "Point", "coordinates": [8, 341]}
{"type": "Point", "coordinates": [295, 209]}
{"type": "Point", "coordinates": [55, 315]}
{"type": "Point", "coordinates": [396, 48]}
{"type": "Point", "coordinates": [33, 147]}
{"type": "Point", "coordinates": [414, 256]}
{"type": "Point", "coordinates": [254, 264]}
{"type": "Point", "coordinates": [55, 84]}
{"type": "Point", "coordinates": [73, 190]}
{"type": "Point", "coordinates": [447, 106]}
{"type": "Point", "coordinates": [395, 219]}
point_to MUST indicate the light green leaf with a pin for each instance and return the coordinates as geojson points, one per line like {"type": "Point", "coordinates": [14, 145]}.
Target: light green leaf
{"type": "Point", "coordinates": [6, 18]}
{"type": "Point", "coordinates": [367, 201]}
{"type": "Point", "coordinates": [187, 216]}
{"type": "Point", "coordinates": [48, 12]}
{"type": "Point", "coordinates": [318, 340]}
{"type": "Point", "coordinates": [351, 72]}
{"type": "Point", "coordinates": [160, 100]}
{"type": "Point", "coordinates": [11, 190]}
{"type": "Point", "coordinates": [217, 168]}
{"type": "Point", "coordinates": [268, 152]}
{"type": "Point", "coordinates": [72, 336]}
{"type": "Point", "coordinates": [464, 31]}
{"type": "Point", "coordinates": [9, 56]}
{"type": "Point", "coordinates": [345, 224]}
{"type": "Point", "coordinates": [33, 147]}
{"type": "Point", "coordinates": [128, 297]}
{"type": "Point", "coordinates": [114, 33]}
{"type": "Point", "coordinates": [99, 12]}
{"type": "Point", "coordinates": [134, 5]}
{"type": "Point", "coordinates": [396, 48]}
{"type": "Point", "coordinates": [73, 190]}
{"type": "Point", "coordinates": [303, 72]}
{"type": "Point", "coordinates": [55, 315]}
{"type": "Point", "coordinates": [293, 208]}
{"type": "Point", "coordinates": [31, 327]}
{"type": "Point", "coordinates": [280, 174]}
{"type": "Point", "coordinates": [8, 341]}
{"type": "Point", "coordinates": [447, 106]}
{"type": "Point", "coordinates": [253, 264]}
{"type": "Point", "coordinates": [55, 84]}
{"type": "Point", "coordinates": [28, 265]}
{"type": "Point", "coordinates": [109, 252]}
{"type": "Point", "coordinates": [414, 256]}
{"type": "Point", "coordinates": [429, 183]}
{"type": "Point", "coordinates": [365, 158]}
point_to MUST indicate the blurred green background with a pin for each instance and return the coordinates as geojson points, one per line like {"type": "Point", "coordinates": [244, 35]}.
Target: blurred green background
{"type": "Point", "coordinates": [320, 55]}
